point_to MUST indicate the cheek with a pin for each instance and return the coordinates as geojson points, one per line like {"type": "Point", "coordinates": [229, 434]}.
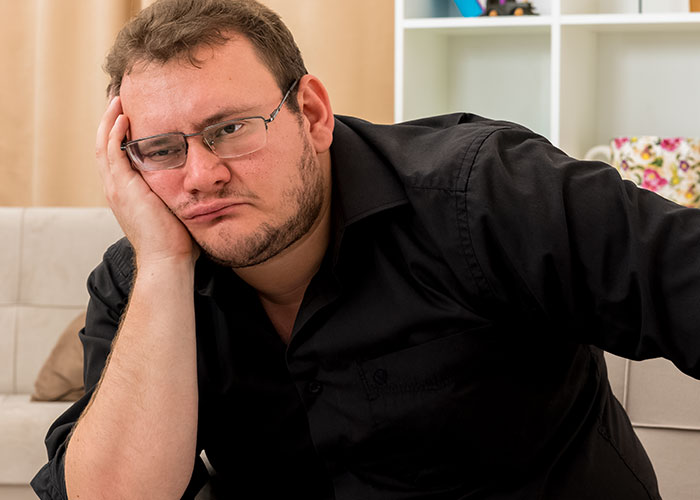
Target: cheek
{"type": "Point", "coordinates": [267, 173]}
{"type": "Point", "coordinates": [166, 184]}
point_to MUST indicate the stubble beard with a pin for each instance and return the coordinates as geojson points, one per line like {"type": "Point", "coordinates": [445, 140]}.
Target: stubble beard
{"type": "Point", "coordinates": [269, 240]}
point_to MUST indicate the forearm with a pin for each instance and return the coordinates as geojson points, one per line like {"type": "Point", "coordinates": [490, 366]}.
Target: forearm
{"type": "Point", "coordinates": [137, 438]}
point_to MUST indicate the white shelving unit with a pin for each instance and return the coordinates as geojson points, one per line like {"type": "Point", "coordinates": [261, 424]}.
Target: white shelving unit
{"type": "Point", "coordinates": [579, 73]}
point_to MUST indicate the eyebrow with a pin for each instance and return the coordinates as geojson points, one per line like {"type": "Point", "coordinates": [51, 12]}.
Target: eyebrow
{"type": "Point", "coordinates": [224, 115]}
{"type": "Point", "coordinates": [159, 141]}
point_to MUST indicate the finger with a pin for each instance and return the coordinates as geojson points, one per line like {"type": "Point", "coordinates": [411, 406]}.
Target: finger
{"type": "Point", "coordinates": [114, 109]}
{"type": "Point", "coordinates": [118, 164]}
{"type": "Point", "coordinates": [115, 154]}
{"type": "Point", "coordinates": [103, 130]}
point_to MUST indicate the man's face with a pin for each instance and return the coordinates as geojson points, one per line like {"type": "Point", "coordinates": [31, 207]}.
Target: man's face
{"type": "Point", "coordinates": [241, 211]}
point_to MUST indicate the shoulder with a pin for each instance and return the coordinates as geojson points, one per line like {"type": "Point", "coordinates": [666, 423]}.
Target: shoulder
{"type": "Point", "coordinates": [439, 151]}
{"type": "Point", "coordinates": [465, 125]}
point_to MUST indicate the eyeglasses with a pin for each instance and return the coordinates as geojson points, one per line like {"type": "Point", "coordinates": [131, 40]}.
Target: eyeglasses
{"type": "Point", "coordinates": [229, 139]}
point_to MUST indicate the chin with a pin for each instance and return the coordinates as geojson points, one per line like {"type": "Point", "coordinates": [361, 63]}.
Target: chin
{"type": "Point", "coordinates": [256, 247]}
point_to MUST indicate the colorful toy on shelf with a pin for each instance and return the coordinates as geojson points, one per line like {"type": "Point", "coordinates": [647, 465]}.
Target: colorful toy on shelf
{"type": "Point", "coordinates": [508, 8]}
{"type": "Point", "coordinates": [469, 8]}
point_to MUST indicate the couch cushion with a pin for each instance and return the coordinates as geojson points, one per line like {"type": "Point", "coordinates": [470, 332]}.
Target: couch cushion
{"type": "Point", "coordinates": [660, 395]}
{"type": "Point", "coordinates": [664, 407]}
{"type": "Point", "coordinates": [23, 426]}
{"type": "Point", "coordinates": [8, 317]}
{"type": "Point", "coordinates": [60, 246]}
{"type": "Point", "coordinates": [47, 254]}
{"type": "Point", "coordinates": [676, 460]}
{"type": "Point", "coordinates": [38, 329]}
{"type": "Point", "coordinates": [17, 492]}
{"type": "Point", "coordinates": [10, 229]}
{"type": "Point", "coordinates": [617, 375]}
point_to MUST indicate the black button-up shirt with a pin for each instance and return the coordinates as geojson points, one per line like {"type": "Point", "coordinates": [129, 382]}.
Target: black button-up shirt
{"type": "Point", "coordinates": [449, 346]}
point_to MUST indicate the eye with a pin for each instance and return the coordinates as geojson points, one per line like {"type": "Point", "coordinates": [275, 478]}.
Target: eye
{"type": "Point", "coordinates": [162, 154]}
{"type": "Point", "coordinates": [228, 129]}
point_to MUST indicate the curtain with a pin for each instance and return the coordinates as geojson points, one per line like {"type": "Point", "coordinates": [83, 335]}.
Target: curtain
{"type": "Point", "coordinates": [52, 97]}
{"type": "Point", "coordinates": [52, 87]}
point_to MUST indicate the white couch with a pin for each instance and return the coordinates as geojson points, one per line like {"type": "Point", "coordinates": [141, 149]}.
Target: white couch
{"type": "Point", "coordinates": [46, 255]}
{"type": "Point", "coordinates": [664, 407]}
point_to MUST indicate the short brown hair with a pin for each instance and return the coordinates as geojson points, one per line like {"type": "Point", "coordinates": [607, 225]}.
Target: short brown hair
{"type": "Point", "coordinates": [170, 29]}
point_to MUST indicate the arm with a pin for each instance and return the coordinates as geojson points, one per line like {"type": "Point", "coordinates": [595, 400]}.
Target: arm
{"type": "Point", "coordinates": [574, 246]}
{"type": "Point", "coordinates": [137, 436]}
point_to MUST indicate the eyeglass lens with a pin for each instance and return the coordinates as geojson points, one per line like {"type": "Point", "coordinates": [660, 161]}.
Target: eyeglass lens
{"type": "Point", "coordinates": [227, 140]}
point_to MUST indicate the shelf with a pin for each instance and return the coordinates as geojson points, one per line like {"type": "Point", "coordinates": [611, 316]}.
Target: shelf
{"type": "Point", "coordinates": [626, 7]}
{"type": "Point", "coordinates": [627, 82]}
{"type": "Point", "coordinates": [490, 74]}
{"type": "Point", "coordinates": [579, 73]}
{"type": "Point", "coordinates": [481, 25]}
{"type": "Point", "coordinates": [634, 22]}
{"type": "Point", "coordinates": [602, 22]}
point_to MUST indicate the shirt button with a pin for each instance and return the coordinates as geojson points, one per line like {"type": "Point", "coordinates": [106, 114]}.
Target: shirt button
{"type": "Point", "coordinates": [380, 377]}
{"type": "Point", "coordinates": [314, 387]}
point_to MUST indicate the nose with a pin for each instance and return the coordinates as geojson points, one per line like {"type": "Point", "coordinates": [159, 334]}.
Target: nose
{"type": "Point", "coordinates": [204, 171]}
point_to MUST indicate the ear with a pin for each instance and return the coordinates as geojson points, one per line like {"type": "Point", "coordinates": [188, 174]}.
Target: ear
{"type": "Point", "coordinates": [315, 107]}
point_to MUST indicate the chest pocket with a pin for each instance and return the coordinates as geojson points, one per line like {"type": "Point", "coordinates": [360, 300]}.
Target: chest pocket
{"type": "Point", "coordinates": [422, 381]}
{"type": "Point", "coordinates": [422, 404]}
{"type": "Point", "coordinates": [451, 411]}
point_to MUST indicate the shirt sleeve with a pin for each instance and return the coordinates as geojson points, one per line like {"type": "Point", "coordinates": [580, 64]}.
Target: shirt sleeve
{"type": "Point", "coordinates": [570, 244]}
{"type": "Point", "coordinates": [109, 286]}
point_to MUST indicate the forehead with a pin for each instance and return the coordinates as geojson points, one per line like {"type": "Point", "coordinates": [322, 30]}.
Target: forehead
{"type": "Point", "coordinates": [177, 95]}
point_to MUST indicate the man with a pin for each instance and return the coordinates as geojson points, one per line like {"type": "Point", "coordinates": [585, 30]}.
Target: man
{"type": "Point", "coordinates": [333, 309]}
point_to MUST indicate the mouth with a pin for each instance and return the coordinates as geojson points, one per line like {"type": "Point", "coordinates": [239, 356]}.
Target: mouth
{"type": "Point", "coordinates": [207, 213]}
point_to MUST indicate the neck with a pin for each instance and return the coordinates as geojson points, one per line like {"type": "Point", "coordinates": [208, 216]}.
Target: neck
{"type": "Point", "coordinates": [282, 280]}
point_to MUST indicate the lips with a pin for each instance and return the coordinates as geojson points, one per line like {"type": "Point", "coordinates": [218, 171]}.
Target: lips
{"type": "Point", "coordinates": [208, 212]}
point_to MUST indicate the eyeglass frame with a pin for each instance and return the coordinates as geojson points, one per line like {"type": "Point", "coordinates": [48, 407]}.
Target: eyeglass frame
{"type": "Point", "coordinates": [125, 144]}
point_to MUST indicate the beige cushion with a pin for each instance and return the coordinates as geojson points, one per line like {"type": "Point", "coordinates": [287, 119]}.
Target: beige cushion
{"type": "Point", "coordinates": [61, 376]}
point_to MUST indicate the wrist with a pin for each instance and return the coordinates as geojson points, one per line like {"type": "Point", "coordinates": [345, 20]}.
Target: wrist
{"type": "Point", "coordinates": [174, 267]}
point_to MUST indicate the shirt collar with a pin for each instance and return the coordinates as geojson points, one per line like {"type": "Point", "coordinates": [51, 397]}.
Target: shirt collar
{"type": "Point", "coordinates": [363, 182]}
